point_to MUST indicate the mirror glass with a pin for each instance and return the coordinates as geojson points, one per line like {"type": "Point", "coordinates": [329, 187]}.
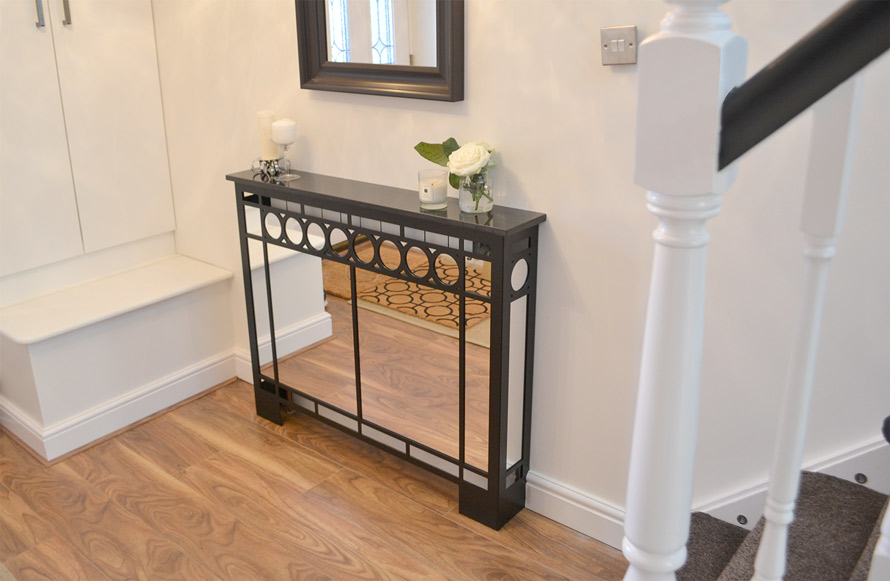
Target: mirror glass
{"type": "Point", "coordinates": [408, 344]}
{"type": "Point", "coordinates": [410, 373]}
{"type": "Point", "coordinates": [327, 371]}
{"type": "Point", "coordinates": [382, 32]}
{"type": "Point", "coordinates": [402, 372]}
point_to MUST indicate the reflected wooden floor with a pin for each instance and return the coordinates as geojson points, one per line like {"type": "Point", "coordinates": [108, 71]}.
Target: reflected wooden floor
{"type": "Point", "coordinates": [409, 379]}
{"type": "Point", "coordinates": [211, 491]}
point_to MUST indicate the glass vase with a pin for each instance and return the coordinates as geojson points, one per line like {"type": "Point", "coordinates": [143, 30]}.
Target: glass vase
{"type": "Point", "coordinates": [475, 195]}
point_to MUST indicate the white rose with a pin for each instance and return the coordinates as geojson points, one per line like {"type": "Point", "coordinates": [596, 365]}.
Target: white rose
{"type": "Point", "coordinates": [483, 144]}
{"type": "Point", "coordinates": [469, 159]}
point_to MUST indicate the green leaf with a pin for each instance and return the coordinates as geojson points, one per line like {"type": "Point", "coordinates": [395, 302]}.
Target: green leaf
{"type": "Point", "coordinates": [435, 152]}
{"type": "Point", "coordinates": [454, 180]}
{"type": "Point", "coordinates": [450, 146]}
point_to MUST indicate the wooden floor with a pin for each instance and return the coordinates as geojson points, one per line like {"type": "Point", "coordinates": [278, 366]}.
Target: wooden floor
{"type": "Point", "coordinates": [210, 491]}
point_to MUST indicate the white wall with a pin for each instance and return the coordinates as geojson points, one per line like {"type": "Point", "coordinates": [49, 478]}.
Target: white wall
{"type": "Point", "coordinates": [564, 127]}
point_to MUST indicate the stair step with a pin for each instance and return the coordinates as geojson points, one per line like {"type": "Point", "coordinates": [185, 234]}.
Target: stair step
{"type": "Point", "coordinates": [712, 543]}
{"type": "Point", "coordinates": [863, 566]}
{"type": "Point", "coordinates": [833, 521]}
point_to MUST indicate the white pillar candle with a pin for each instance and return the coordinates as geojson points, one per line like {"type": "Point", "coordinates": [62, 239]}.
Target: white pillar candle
{"type": "Point", "coordinates": [433, 188]}
{"type": "Point", "coordinates": [284, 132]}
{"type": "Point", "coordinates": [268, 150]}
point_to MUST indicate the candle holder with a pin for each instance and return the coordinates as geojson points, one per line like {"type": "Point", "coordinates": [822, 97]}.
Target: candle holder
{"type": "Point", "coordinates": [285, 175]}
{"type": "Point", "coordinates": [284, 134]}
{"type": "Point", "coordinates": [269, 169]}
{"type": "Point", "coordinates": [432, 187]}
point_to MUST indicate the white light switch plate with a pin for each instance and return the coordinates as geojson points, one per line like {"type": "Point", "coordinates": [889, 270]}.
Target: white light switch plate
{"type": "Point", "coordinates": [619, 45]}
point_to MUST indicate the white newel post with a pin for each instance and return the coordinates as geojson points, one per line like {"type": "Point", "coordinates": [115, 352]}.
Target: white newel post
{"type": "Point", "coordinates": [685, 71]}
{"type": "Point", "coordinates": [825, 192]}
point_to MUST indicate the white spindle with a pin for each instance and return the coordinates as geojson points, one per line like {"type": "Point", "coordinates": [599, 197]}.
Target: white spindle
{"type": "Point", "coordinates": [685, 71]}
{"type": "Point", "coordinates": [831, 143]}
{"type": "Point", "coordinates": [880, 560]}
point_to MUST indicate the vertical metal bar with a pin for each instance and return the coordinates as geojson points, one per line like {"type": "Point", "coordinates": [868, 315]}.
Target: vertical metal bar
{"type": "Point", "coordinates": [267, 270]}
{"type": "Point", "coordinates": [66, 13]}
{"type": "Point", "coordinates": [355, 348]}
{"type": "Point", "coordinates": [529, 349]}
{"type": "Point", "coordinates": [246, 273]}
{"type": "Point", "coordinates": [498, 365]}
{"type": "Point", "coordinates": [462, 362]}
{"type": "Point", "coordinates": [41, 21]}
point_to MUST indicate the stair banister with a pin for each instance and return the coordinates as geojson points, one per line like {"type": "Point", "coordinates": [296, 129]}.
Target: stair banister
{"type": "Point", "coordinates": [825, 191]}
{"type": "Point", "coordinates": [831, 53]}
{"type": "Point", "coordinates": [685, 71]}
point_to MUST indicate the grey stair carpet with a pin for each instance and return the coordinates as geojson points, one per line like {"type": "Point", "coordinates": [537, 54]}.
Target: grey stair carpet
{"type": "Point", "coordinates": [833, 522]}
{"type": "Point", "coordinates": [712, 543]}
{"type": "Point", "coordinates": [860, 572]}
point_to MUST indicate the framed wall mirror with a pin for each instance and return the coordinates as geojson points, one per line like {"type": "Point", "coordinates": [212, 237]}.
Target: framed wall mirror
{"type": "Point", "coordinates": [398, 48]}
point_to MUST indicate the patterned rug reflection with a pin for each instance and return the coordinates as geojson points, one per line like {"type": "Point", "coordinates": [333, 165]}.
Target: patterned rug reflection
{"type": "Point", "coordinates": [431, 304]}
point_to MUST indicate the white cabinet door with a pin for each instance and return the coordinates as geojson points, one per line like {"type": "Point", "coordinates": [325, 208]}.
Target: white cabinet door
{"type": "Point", "coordinates": [38, 213]}
{"type": "Point", "coordinates": [108, 73]}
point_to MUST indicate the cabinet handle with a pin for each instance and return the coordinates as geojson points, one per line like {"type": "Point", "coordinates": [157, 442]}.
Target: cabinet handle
{"type": "Point", "coordinates": [40, 21]}
{"type": "Point", "coordinates": [66, 18]}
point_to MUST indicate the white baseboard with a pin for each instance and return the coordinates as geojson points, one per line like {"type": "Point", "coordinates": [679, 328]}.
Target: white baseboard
{"type": "Point", "coordinates": [290, 339]}
{"type": "Point", "coordinates": [22, 425]}
{"type": "Point", "coordinates": [58, 439]}
{"type": "Point", "coordinates": [575, 509]}
{"type": "Point", "coordinates": [871, 459]}
{"type": "Point", "coordinates": [605, 522]}
{"type": "Point", "coordinates": [79, 430]}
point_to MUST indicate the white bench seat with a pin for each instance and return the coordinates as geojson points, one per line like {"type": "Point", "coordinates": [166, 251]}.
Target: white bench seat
{"type": "Point", "coordinates": [84, 361]}
{"type": "Point", "coordinates": [92, 302]}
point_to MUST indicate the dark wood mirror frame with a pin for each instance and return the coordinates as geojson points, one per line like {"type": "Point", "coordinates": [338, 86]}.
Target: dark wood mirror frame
{"type": "Point", "coordinates": [444, 82]}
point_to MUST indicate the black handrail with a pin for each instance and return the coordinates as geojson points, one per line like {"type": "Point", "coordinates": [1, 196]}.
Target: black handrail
{"type": "Point", "coordinates": [833, 52]}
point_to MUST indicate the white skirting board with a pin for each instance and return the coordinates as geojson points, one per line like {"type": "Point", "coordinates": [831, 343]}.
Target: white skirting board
{"type": "Point", "coordinates": [575, 509]}
{"type": "Point", "coordinates": [75, 432]}
{"type": "Point", "coordinates": [90, 425]}
{"type": "Point", "coordinates": [605, 522]}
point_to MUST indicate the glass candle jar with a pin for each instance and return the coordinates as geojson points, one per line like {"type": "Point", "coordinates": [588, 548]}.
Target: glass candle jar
{"type": "Point", "coordinates": [432, 186]}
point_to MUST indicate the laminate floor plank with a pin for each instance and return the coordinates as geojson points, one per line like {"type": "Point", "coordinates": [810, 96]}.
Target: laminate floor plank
{"type": "Point", "coordinates": [274, 504]}
{"type": "Point", "coordinates": [560, 548]}
{"type": "Point", "coordinates": [262, 448]}
{"type": "Point", "coordinates": [455, 551]}
{"type": "Point", "coordinates": [415, 483]}
{"type": "Point", "coordinates": [20, 527]}
{"type": "Point", "coordinates": [53, 560]}
{"type": "Point", "coordinates": [229, 547]}
{"type": "Point", "coordinates": [167, 444]}
{"type": "Point", "coordinates": [117, 543]}
{"type": "Point", "coordinates": [211, 491]}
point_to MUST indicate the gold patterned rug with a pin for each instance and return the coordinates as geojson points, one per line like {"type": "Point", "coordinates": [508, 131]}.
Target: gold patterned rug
{"type": "Point", "coordinates": [428, 303]}
{"type": "Point", "coordinates": [428, 307]}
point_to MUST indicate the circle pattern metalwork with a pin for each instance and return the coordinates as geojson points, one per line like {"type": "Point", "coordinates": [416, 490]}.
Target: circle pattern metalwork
{"type": "Point", "coordinates": [382, 252]}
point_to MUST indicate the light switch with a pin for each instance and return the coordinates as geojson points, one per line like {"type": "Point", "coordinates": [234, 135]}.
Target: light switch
{"type": "Point", "coordinates": [619, 45]}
